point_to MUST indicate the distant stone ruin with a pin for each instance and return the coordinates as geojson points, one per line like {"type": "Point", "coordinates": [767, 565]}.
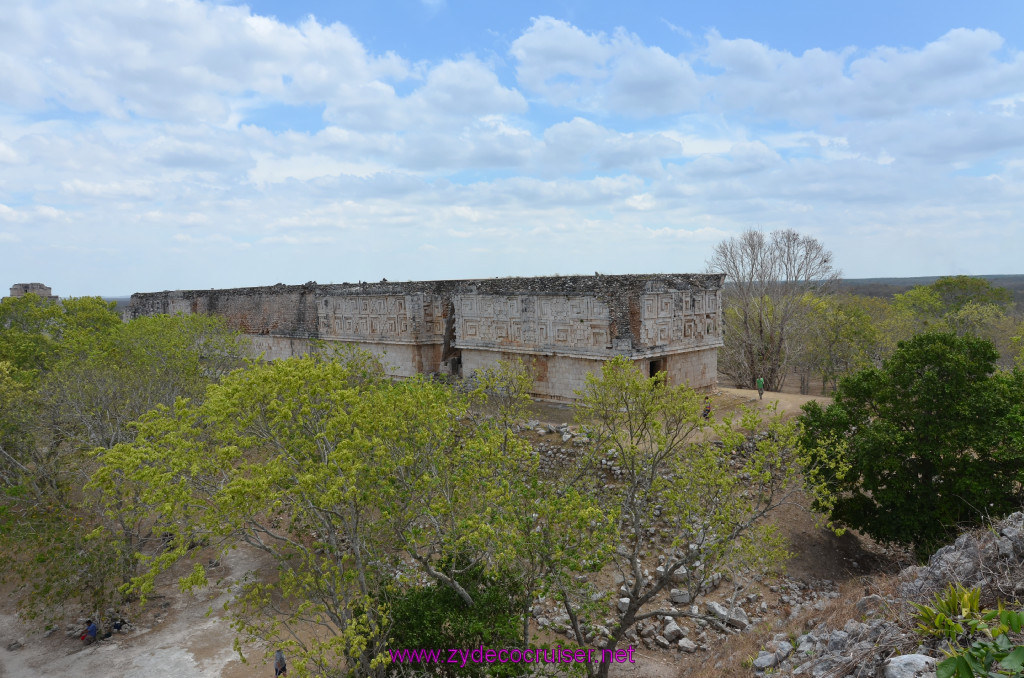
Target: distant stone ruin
{"type": "Point", "coordinates": [21, 289]}
{"type": "Point", "coordinates": [563, 326]}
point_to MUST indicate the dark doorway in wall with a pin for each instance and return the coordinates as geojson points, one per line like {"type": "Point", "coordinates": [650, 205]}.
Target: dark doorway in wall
{"type": "Point", "coordinates": [656, 366]}
{"type": "Point", "coordinates": [451, 357]}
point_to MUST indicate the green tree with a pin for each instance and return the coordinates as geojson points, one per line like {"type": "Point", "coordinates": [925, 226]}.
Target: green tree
{"type": "Point", "coordinates": [355, 486]}
{"type": "Point", "coordinates": [557, 527]}
{"type": "Point", "coordinates": [28, 325]}
{"type": "Point", "coordinates": [923, 307]}
{"type": "Point", "coordinates": [935, 437]}
{"type": "Point", "coordinates": [104, 379]}
{"type": "Point", "coordinates": [33, 329]}
{"type": "Point", "coordinates": [435, 617]}
{"type": "Point", "coordinates": [962, 305]}
{"type": "Point", "coordinates": [839, 337]}
{"type": "Point", "coordinates": [954, 292]}
{"type": "Point", "coordinates": [94, 375]}
{"type": "Point", "coordinates": [695, 504]}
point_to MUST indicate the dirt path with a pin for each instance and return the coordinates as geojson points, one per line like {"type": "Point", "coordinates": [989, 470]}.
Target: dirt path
{"type": "Point", "coordinates": [789, 403]}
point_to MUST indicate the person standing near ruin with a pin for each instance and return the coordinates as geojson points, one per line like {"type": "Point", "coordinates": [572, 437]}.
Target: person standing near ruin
{"type": "Point", "coordinates": [760, 388]}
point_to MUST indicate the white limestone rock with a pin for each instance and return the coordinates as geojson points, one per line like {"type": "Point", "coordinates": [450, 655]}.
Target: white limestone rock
{"type": "Point", "coordinates": [910, 666]}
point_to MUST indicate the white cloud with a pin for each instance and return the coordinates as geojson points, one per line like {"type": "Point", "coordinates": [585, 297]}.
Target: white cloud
{"type": "Point", "coordinates": [465, 88]}
{"type": "Point", "coordinates": [961, 66]}
{"type": "Point", "coordinates": [581, 143]}
{"type": "Point", "coordinates": [566, 162]}
{"type": "Point", "coordinates": [182, 60]}
{"type": "Point", "coordinates": [616, 73]}
{"type": "Point", "coordinates": [7, 153]}
{"type": "Point", "coordinates": [114, 189]}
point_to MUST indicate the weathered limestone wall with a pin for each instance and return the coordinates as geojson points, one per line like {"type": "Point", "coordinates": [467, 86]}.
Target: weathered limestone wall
{"type": "Point", "coordinates": [287, 311]}
{"type": "Point", "coordinates": [276, 347]}
{"type": "Point", "coordinates": [564, 326]}
{"type": "Point", "coordinates": [696, 368]}
{"type": "Point", "coordinates": [555, 377]}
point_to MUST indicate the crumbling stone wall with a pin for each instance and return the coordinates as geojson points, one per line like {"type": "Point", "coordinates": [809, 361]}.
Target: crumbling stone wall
{"type": "Point", "coordinates": [564, 326]}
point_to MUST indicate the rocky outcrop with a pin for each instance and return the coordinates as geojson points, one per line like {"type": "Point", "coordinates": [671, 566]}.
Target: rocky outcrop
{"type": "Point", "coordinates": [992, 559]}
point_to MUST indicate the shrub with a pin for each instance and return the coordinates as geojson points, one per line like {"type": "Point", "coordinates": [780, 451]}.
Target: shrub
{"type": "Point", "coordinates": [435, 617]}
{"type": "Point", "coordinates": [978, 640]}
{"type": "Point", "coordinates": [935, 441]}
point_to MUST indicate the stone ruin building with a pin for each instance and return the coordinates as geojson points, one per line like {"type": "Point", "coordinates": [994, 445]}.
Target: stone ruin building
{"type": "Point", "coordinates": [21, 289]}
{"type": "Point", "coordinates": [564, 326]}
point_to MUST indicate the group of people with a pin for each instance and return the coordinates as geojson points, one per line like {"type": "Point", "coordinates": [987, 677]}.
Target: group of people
{"type": "Point", "coordinates": [92, 630]}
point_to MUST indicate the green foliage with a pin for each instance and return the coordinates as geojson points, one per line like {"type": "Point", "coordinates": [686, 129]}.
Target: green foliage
{"type": "Point", "coordinates": [87, 377]}
{"type": "Point", "coordinates": [698, 502]}
{"type": "Point", "coordinates": [961, 305]}
{"type": "Point", "coordinates": [927, 433]}
{"type": "Point", "coordinates": [105, 379]}
{"type": "Point", "coordinates": [977, 638]}
{"type": "Point", "coordinates": [33, 330]}
{"type": "Point", "coordinates": [957, 604]}
{"type": "Point", "coordinates": [352, 484]}
{"type": "Point", "coordinates": [435, 617]}
{"type": "Point", "coordinates": [955, 292]}
{"type": "Point", "coordinates": [17, 402]}
{"type": "Point", "coordinates": [839, 337]}
{"type": "Point", "coordinates": [28, 329]}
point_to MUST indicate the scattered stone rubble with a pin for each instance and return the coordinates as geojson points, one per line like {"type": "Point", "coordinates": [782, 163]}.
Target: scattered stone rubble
{"type": "Point", "coordinates": [720, 613]}
{"type": "Point", "coordinates": [871, 646]}
{"type": "Point", "coordinates": [723, 612]}
{"type": "Point", "coordinates": [989, 558]}
{"type": "Point", "coordinates": [875, 647]}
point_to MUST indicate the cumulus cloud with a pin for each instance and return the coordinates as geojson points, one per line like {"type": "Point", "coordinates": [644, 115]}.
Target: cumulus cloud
{"type": "Point", "coordinates": [598, 72]}
{"type": "Point", "coordinates": [131, 145]}
{"type": "Point", "coordinates": [581, 143]}
{"type": "Point", "coordinates": [961, 67]}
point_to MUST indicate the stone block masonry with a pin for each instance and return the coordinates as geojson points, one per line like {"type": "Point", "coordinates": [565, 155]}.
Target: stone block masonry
{"type": "Point", "coordinates": [564, 326]}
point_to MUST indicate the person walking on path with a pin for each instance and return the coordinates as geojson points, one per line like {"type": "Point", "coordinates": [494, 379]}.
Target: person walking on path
{"type": "Point", "coordinates": [280, 667]}
{"type": "Point", "coordinates": [760, 388]}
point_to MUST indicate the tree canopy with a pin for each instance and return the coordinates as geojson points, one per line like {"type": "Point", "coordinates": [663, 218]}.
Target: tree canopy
{"type": "Point", "coordinates": [73, 378]}
{"type": "Point", "coordinates": [936, 441]}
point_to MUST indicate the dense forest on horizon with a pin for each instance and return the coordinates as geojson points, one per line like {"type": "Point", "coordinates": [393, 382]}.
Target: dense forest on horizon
{"type": "Point", "coordinates": [888, 287]}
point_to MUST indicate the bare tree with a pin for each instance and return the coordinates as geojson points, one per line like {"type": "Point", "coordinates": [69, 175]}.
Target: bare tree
{"type": "Point", "coordinates": [766, 277]}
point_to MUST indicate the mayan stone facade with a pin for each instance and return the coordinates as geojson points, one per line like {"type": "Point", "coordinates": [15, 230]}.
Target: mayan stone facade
{"type": "Point", "coordinates": [563, 326]}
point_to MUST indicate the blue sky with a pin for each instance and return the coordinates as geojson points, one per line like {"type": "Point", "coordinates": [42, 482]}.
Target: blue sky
{"type": "Point", "coordinates": [155, 144]}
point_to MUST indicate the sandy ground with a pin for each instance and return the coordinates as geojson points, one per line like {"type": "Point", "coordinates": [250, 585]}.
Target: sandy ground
{"type": "Point", "coordinates": [788, 403]}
